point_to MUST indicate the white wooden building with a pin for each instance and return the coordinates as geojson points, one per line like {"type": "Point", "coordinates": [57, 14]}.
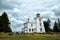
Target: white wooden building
{"type": "Point", "coordinates": [36, 26]}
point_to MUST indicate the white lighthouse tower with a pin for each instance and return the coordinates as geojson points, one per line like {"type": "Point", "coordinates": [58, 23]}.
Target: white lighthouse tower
{"type": "Point", "coordinates": [35, 26]}
{"type": "Point", "coordinates": [39, 24]}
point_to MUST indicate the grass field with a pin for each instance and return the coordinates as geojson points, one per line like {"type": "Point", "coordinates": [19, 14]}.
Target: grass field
{"type": "Point", "coordinates": [34, 36]}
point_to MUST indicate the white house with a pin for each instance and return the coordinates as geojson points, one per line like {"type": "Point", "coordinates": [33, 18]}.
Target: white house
{"type": "Point", "coordinates": [36, 26]}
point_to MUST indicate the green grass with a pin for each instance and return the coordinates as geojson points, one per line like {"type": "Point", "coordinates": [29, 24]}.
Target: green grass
{"type": "Point", "coordinates": [33, 36]}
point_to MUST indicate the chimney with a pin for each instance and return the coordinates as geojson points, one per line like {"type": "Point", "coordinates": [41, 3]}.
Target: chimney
{"type": "Point", "coordinates": [28, 19]}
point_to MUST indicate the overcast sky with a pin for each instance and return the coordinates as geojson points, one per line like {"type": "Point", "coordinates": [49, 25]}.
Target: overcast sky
{"type": "Point", "coordinates": [19, 10]}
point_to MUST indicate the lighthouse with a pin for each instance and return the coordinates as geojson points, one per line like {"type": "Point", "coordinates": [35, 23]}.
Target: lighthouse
{"type": "Point", "coordinates": [36, 26]}
{"type": "Point", "coordinates": [39, 24]}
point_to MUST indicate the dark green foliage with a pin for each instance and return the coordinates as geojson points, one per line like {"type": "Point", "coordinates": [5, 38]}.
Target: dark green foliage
{"type": "Point", "coordinates": [5, 19]}
{"type": "Point", "coordinates": [4, 23]}
{"type": "Point", "coordinates": [58, 22]}
{"type": "Point", "coordinates": [55, 28]}
{"type": "Point", "coordinates": [46, 25]}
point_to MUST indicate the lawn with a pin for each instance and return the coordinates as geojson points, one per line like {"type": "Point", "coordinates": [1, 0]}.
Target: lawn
{"type": "Point", "coordinates": [33, 36]}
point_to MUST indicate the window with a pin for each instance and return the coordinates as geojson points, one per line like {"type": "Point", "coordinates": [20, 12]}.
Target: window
{"type": "Point", "coordinates": [40, 20]}
{"type": "Point", "coordinates": [31, 24]}
{"type": "Point", "coordinates": [29, 29]}
{"type": "Point", "coordinates": [41, 29]}
{"type": "Point", "coordinates": [32, 30]}
{"type": "Point", "coordinates": [40, 24]}
{"type": "Point", "coordinates": [26, 30]}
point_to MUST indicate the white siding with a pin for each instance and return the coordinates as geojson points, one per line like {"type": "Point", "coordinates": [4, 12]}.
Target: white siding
{"type": "Point", "coordinates": [35, 26]}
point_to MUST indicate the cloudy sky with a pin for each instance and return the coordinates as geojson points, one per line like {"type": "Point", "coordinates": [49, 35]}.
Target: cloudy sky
{"type": "Point", "coordinates": [19, 10]}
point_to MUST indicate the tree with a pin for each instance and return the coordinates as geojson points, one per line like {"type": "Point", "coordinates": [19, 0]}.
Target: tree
{"type": "Point", "coordinates": [5, 24]}
{"type": "Point", "coordinates": [1, 25]}
{"type": "Point", "coordinates": [47, 25]}
{"type": "Point", "coordinates": [55, 28]}
{"type": "Point", "coordinates": [58, 22]}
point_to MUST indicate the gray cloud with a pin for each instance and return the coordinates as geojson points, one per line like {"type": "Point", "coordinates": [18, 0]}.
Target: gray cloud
{"type": "Point", "coordinates": [57, 10]}
{"type": "Point", "coordinates": [7, 4]}
{"type": "Point", "coordinates": [19, 10]}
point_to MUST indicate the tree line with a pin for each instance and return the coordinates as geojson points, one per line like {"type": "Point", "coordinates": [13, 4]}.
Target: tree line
{"type": "Point", "coordinates": [56, 27]}
{"type": "Point", "coordinates": [4, 23]}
